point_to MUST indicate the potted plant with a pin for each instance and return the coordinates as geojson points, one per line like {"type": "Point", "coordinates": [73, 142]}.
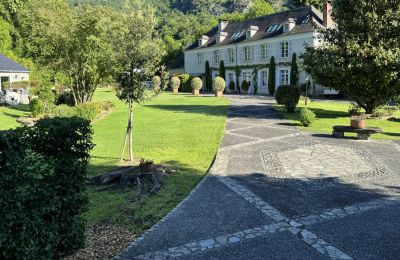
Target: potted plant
{"type": "Point", "coordinates": [196, 85]}
{"type": "Point", "coordinates": [357, 121]}
{"type": "Point", "coordinates": [219, 86]}
{"type": "Point", "coordinates": [175, 84]}
{"type": "Point", "coordinates": [232, 86]}
{"type": "Point", "coordinates": [245, 87]}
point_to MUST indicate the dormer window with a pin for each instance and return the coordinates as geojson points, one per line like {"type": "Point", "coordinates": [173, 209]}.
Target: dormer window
{"type": "Point", "coordinates": [203, 40]}
{"type": "Point", "coordinates": [289, 25]}
{"type": "Point", "coordinates": [251, 31]}
{"type": "Point", "coordinates": [274, 27]}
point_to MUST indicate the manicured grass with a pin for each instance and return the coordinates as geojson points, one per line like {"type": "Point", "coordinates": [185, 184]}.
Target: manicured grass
{"type": "Point", "coordinates": [334, 113]}
{"type": "Point", "coordinates": [182, 130]}
{"type": "Point", "coordinates": [9, 116]}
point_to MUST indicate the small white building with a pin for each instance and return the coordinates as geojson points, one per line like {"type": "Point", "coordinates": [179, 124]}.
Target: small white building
{"type": "Point", "coordinates": [246, 47]}
{"type": "Point", "coordinates": [10, 71]}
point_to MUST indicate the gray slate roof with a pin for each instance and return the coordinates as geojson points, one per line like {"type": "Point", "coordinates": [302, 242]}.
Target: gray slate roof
{"type": "Point", "coordinates": [300, 15]}
{"type": "Point", "coordinates": [8, 65]}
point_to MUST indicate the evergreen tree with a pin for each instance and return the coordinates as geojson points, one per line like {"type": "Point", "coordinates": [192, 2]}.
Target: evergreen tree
{"type": "Point", "coordinates": [294, 71]}
{"type": "Point", "coordinates": [271, 76]}
{"type": "Point", "coordinates": [208, 76]}
{"type": "Point", "coordinates": [222, 69]}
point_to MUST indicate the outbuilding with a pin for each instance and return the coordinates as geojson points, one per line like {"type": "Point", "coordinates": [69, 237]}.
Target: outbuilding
{"type": "Point", "coordinates": [10, 71]}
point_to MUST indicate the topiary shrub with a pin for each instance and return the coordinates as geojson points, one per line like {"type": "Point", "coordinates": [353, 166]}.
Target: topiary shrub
{"type": "Point", "coordinates": [186, 80]}
{"type": "Point", "coordinates": [196, 83]}
{"type": "Point", "coordinates": [43, 170]}
{"type": "Point", "coordinates": [175, 82]}
{"type": "Point", "coordinates": [245, 85]}
{"type": "Point", "coordinates": [232, 86]}
{"type": "Point", "coordinates": [289, 96]}
{"type": "Point", "coordinates": [307, 117]}
{"type": "Point", "coordinates": [219, 84]}
{"type": "Point", "coordinates": [156, 82]}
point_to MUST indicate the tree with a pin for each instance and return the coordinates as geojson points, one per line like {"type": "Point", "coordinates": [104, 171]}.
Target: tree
{"type": "Point", "coordinates": [361, 57]}
{"type": "Point", "coordinates": [271, 76]}
{"type": "Point", "coordinates": [259, 8]}
{"type": "Point", "coordinates": [208, 76]}
{"type": "Point", "coordinates": [222, 69]}
{"type": "Point", "coordinates": [298, 3]}
{"type": "Point", "coordinates": [139, 56]}
{"type": "Point", "coordinates": [294, 70]}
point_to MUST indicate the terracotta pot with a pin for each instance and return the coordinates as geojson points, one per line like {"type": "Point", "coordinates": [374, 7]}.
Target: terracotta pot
{"type": "Point", "coordinates": [219, 93]}
{"type": "Point", "coordinates": [357, 123]}
{"type": "Point", "coordinates": [174, 91]}
{"type": "Point", "coordinates": [196, 92]}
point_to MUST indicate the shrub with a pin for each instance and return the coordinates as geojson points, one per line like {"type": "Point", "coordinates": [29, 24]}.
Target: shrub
{"type": "Point", "coordinates": [196, 83]}
{"type": "Point", "coordinates": [42, 182]}
{"type": "Point", "coordinates": [65, 98]}
{"type": "Point", "coordinates": [156, 82]}
{"type": "Point", "coordinates": [307, 117]}
{"type": "Point", "coordinates": [44, 93]}
{"type": "Point", "coordinates": [245, 85]}
{"type": "Point", "coordinates": [185, 80]}
{"type": "Point", "coordinates": [354, 109]}
{"type": "Point", "coordinates": [175, 82]}
{"type": "Point", "coordinates": [289, 96]}
{"type": "Point", "coordinates": [384, 112]}
{"type": "Point", "coordinates": [232, 86]}
{"type": "Point", "coordinates": [39, 107]}
{"type": "Point", "coordinates": [219, 84]}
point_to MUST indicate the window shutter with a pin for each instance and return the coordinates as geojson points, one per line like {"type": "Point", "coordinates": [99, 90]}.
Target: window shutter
{"type": "Point", "coordinates": [279, 50]}
{"type": "Point", "coordinates": [241, 54]}
{"type": "Point", "coordinates": [290, 49]}
{"type": "Point", "coordinates": [269, 51]}
{"type": "Point", "coordinates": [258, 52]}
{"type": "Point", "coordinates": [253, 49]}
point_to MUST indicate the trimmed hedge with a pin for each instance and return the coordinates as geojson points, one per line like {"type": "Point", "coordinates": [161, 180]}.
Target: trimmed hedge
{"type": "Point", "coordinates": [288, 95]}
{"type": "Point", "coordinates": [307, 117]}
{"type": "Point", "coordinates": [185, 80]}
{"type": "Point", "coordinates": [42, 182]}
{"type": "Point", "coordinates": [219, 84]}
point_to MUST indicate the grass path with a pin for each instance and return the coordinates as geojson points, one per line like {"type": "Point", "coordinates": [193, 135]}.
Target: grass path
{"type": "Point", "coordinates": [183, 130]}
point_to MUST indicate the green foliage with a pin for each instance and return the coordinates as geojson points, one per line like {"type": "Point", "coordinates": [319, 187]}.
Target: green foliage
{"type": "Point", "coordinates": [65, 98]}
{"type": "Point", "coordinates": [232, 86]}
{"type": "Point", "coordinates": [289, 96]}
{"type": "Point", "coordinates": [298, 3]}
{"type": "Point", "coordinates": [294, 70]}
{"type": "Point", "coordinates": [156, 82]}
{"type": "Point", "coordinates": [197, 83]}
{"type": "Point", "coordinates": [222, 70]}
{"type": "Point", "coordinates": [219, 84]}
{"type": "Point", "coordinates": [185, 80]}
{"type": "Point", "coordinates": [5, 36]}
{"type": "Point", "coordinates": [36, 107]}
{"type": "Point", "coordinates": [259, 8]}
{"type": "Point", "coordinates": [354, 109]}
{"type": "Point", "coordinates": [175, 82]}
{"type": "Point", "coordinates": [307, 117]}
{"type": "Point", "coordinates": [361, 57]}
{"type": "Point", "coordinates": [271, 76]}
{"type": "Point", "coordinates": [245, 85]}
{"type": "Point", "coordinates": [208, 76]}
{"type": "Point", "coordinates": [255, 80]}
{"type": "Point", "coordinates": [44, 93]}
{"type": "Point", "coordinates": [42, 179]}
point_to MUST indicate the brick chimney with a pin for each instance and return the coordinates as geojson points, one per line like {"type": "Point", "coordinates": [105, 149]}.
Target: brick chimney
{"type": "Point", "coordinates": [328, 22]}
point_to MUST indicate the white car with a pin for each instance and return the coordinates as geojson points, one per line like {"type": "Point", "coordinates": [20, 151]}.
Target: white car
{"type": "Point", "coordinates": [330, 92]}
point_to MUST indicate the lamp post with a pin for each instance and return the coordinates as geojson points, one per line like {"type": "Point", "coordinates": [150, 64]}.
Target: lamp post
{"type": "Point", "coordinates": [307, 82]}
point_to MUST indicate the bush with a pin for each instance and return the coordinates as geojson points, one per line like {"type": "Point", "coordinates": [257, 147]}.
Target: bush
{"type": "Point", "coordinates": [156, 82]}
{"type": "Point", "coordinates": [42, 181]}
{"type": "Point", "coordinates": [232, 86]}
{"type": "Point", "coordinates": [245, 85]}
{"type": "Point", "coordinates": [354, 109]}
{"type": "Point", "coordinates": [65, 98]}
{"type": "Point", "coordinates": [219, 84]}
{"type": "Point", "coordinates": [39, 107]}
{"type": "Point", "coordinates": [175, 82]}
{"type": "Point", "coordinates": [186, 80]}
{"type": "Point", "coordinates": [196, 83]}
{"type": "Point", "coordinates": [289, 96]}
{"type": "Point", "coordinates": [44, 93]}
{"type": "Point", "coordinates": [384, 112]}
{"type": "Point", "coordinates": [307, 117]}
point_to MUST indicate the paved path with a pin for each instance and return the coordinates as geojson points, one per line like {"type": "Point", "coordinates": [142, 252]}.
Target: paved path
{"type": "Point", "coordinates": [275, 192]}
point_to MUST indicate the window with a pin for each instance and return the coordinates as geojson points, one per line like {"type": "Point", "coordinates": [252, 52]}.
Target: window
{"type": "Point", "coordinates": [247, 53]}
{"type": "Point", "coordinates": [247, 77]}
{"type": "Point", "coordinates": [237, 35]}
{"type": "Point", "coordinates": [284, 76]}
{"type": "Point", "coordinates": [231, 55]}
{"type": "Point", "coordinates": [199, 58]}
{"type": "Point", "coordinates": [286, 27]}
{"type": "Point", "coordinates": [264, 78]}
{"type": "Point", "coordinates": [230, 77]}
{"type": "Point", "coordinates": [216, 57]}
{"type": "Point", "coordinates": [284, 49]}
{"type": "Point", "coordinates": [264, 51]}
{"type": "Point", "coordinates": [273, 28]}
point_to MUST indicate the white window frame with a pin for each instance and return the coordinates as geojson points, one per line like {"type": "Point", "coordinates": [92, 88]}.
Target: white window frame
{"type": "Point", "coordinates": [200, 58]}
{"type": "Point", "coordinates": [247, 54]}
{"type": "Point", "coordinates": [216, 57]}
{"type": "Point", "coordinates": [231, 55]}
{"type": "Point", "coordinates": [264, 78]}
{"type": "Point", "coordinates": [284, 49]}
{"type": "Point", "coordinates": [246, 75]}
{"type": "Point", "coordinates": [284, 76]}
{"type": "Point", "coordinates": [264, 51]}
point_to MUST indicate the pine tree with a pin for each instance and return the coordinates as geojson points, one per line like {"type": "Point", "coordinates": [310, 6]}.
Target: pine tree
{"type": "Point", "coordinates": [271, 76]}
{"type": "Point", "coordinates": [294, 71]}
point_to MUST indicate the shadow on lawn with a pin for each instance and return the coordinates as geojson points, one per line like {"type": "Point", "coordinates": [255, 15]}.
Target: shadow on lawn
{"type": "Point", "coordinates": [219, 110]}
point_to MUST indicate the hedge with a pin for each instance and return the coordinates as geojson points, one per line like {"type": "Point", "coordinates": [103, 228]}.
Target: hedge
{"type": "Point", "coordinates": [42, 182]}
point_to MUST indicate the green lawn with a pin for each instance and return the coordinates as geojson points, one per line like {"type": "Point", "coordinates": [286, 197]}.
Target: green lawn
{"type": "Point", "coordinates": [9, 116]}
{"type": "Point", "coordinates": [184, 131]}
{"type": "Point", "coordinates": [334, 113]}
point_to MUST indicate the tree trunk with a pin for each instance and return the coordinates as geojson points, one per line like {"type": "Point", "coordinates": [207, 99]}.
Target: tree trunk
{"type": "Point", "coordinates": [130, 132]}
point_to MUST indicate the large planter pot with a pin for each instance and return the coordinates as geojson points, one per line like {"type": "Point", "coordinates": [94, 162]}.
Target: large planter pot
{"type": "Point", "coordinates": [219, 93]}
{"type": "Point", "coordinates": [196, 92]}
{"type": "Point", "coordinates": [175, 91]}
{"type": "Point", "coordinates": [357, 123]}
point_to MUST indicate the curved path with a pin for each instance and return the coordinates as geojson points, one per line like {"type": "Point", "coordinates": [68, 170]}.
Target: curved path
{"type": "Point", "coordinates": [275, 192]}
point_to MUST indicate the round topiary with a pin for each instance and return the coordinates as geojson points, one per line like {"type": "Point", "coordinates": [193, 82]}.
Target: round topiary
{"type": "Point", "coordinates": [196, 83]}
{"type": "Point", "coordinates": [245, 85]}
{"type": "Point", "coordinates": [219, 84]}
{"type": "Point", "coordinates": [232, 86]}
{"type": "Point", "coordinates": [288, 95]}
{"type": "Point", "coordinates": [175, 83]}
{"type": "Point", "coordinates": [156, 82]}
{"type": "Point", "coordinates": [307, 117]}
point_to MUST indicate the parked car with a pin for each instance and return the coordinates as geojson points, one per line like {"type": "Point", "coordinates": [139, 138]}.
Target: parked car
{"type": "Point", "coordinates": [328, 92]}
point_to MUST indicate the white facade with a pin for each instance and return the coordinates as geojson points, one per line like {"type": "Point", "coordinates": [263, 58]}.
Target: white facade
{"type": "Point", "coordinates": [13, 77]}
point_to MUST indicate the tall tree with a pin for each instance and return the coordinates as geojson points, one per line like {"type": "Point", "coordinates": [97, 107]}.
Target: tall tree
{"type": "Point", "coordinates": [294, 70]}
{"type": "Point", "coordinates": [259, 8]}
{"type": "Point", "coordinates": [222, 71]}
{"type": "Point", "coordinates": [299, 3]}
{"type": "Point", "coordinates": [361, 57]}
{"type": "Point", "coordinates": [271, 76]}
{"type": "Point", "coordinates": [208, 76]}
